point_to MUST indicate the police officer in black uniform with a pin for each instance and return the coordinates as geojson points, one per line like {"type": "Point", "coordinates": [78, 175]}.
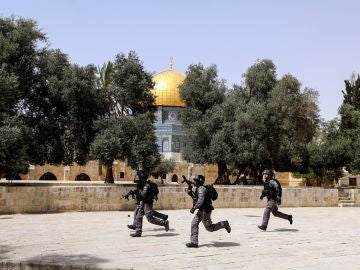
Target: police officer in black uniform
{"type": "Point", "coordinates": [203, 203]}
{"type": "Point", "coordinates": [145, 207]}
{"type": "Point", "coordinates": [139, 204]}
{"type": "Point", "coordinates": [272, 193]}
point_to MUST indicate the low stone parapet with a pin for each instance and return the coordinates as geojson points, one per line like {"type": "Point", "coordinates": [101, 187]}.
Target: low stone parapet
{"type": "Point", "coordinates": [42, 197]}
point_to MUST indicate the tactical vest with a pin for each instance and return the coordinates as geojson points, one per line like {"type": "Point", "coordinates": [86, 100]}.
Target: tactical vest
{"type": "Point", "coordinates": [269, 192]}
{"type": "Point", "coordinates": [207, 205]}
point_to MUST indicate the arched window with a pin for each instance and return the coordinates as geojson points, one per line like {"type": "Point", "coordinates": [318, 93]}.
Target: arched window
{"type": "Point", "coordinates": [176, 145]}
{"type": "Point", "coordinates": [12, 176]}
{"type": "Point", "coordinates": [48, 176]}
{"type": "Point", "coordinates": [165, 145]}
{"type": "Point", "coordinates": [82, 177]}
{"type": "Point", "coordinates": [174, 178]}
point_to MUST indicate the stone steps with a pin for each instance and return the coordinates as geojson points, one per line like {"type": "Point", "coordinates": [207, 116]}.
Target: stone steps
{"type": "Point", "coordinates": [345, 199]}
{"type": "Point", "coordinates": [347, 204]}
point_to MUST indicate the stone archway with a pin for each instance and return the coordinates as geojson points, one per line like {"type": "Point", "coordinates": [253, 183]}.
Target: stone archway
{"type": "Point", "coordinates": [12, 176]}
{"type": "Point", "coordinates": [82, 177]}
{"type": "Point", "coordinates": [48, 176]}
{"type": "Point", "coordinates": [174, 178]}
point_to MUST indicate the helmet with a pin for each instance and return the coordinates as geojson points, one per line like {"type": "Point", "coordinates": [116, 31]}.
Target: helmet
{"type": "Point", "coordinates": [199, 178]}
{"type": "Point", "coordinates": [268, 172]}
{"type": "Point", "coordinates": [142, 175]}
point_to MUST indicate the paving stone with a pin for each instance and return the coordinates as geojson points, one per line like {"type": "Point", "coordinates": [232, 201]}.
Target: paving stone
{"type": "Point", "coordinates": [320, 238]}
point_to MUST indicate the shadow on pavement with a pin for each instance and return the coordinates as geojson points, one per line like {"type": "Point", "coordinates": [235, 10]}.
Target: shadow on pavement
{"type": "Point", "coordinates": [159, 229]}
{"type": "Point", "coordinates": [285, 230]}
{"type": "Point", "coordinates": [3, 250]}
{"type": "Point", "coordinates": [161, 234]}
{"type": "Point", "coordinates": [251, 216]}
{"type": "Point", "coordinates": [55, 259]}
{"type": "Point", "coordinates": [220, 244]}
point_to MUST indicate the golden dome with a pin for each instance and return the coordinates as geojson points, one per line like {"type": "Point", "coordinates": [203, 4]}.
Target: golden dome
{"type": "Point", "coordinates": [166, 88]}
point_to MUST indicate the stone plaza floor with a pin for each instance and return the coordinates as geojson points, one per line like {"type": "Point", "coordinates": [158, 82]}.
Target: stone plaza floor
{"type": "Point", "coordinates": [320, 238]}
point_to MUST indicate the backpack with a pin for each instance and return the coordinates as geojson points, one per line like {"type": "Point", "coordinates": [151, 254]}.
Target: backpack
{"type": "Point", "coordinates": [153, 191]}
{"type": "Point", "coordinates": [211, 191]}
{"type": "Point", "coordinates": [280, 188]}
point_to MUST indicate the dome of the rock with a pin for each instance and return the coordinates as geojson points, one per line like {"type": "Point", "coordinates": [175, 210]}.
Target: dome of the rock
{"type": "Point", "coordinates": [166, 88]}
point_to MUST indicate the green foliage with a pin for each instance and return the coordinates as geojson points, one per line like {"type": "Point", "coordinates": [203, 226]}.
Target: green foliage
{"type": "Point", "coordinates": [8, 85]}
{"type": "Point", "coordinates": [164, 167]}
{"type": "Point", "coordinates": [352, 91]}
{"type": "Point", "coordinates": [13, 146]}
{"type": "Point", "coordinates": [267, 122]}
{"type": "Point", "coordinates": [293, 118]}
{"type": "Point", "coordinates": [127, 133]}
{"type": "Point", "coordinates": [56, 100]}
{"type": "Point", "coordinates": [201, 90]}
{"type": "Point", "coordinates": [260, 79]}
{"type": "Point", "coordinates": [19, 42]}
{"type": "Point", "coordinates": [345, 140]}
{"type": "Point", "coordinates": [144, 150]}
{"type": "Point", "coordinates": [207, 136]}
{"type": "Point", "coordinates": [132, 85]}
{"type": "Point", "coordinates": [126, 138]}
{"type": "Point", "coordinates": [62, 111]}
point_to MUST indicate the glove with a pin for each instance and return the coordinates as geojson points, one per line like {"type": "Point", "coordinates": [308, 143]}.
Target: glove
{"type": "Point", "coordinates": [261, 197]}
{"type": "Point", "coordinates": [192, 210]}
{"type": "Point", "coordinates": [278, 200]}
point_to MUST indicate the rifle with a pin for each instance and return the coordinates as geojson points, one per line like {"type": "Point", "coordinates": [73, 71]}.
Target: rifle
{"type": "Point", "coordinates": [187, 182]}
{"type": "Point", "coordinates": [192, 194]}
{"type": "Point", "coordinates": [131, 193]}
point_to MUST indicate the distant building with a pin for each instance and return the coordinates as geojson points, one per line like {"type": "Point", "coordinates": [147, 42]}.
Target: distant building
{"type": "Point", "coordinates": [170, 132]}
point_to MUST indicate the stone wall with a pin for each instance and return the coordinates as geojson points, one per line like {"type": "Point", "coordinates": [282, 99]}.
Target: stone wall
{"type": "Point", "coordinates": [75, 196]}
{"type": "Point", "coordinates": [355, 196]}
{"type": "Point", "coordinates": [121, 172]}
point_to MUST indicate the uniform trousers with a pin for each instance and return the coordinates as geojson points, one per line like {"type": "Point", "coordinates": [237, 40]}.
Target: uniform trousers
{"type": "Point", "coordinates": [154, 217]}
{"type": "Point", "coordinates": [272, 207]}
{"type": "Point", "coordinates": [205, 217]}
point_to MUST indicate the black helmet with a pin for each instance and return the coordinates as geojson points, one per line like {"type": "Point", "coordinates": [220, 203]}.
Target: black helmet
{"type": "Point", "coordinates": [268, 172]}
{"type": "Point", "coordinates": [142, 175]}
{"type": "Point", "coordinates": [199, 178]}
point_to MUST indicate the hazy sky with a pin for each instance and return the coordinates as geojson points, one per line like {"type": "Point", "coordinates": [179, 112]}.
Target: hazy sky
{"type": "Point", "coordinates": [316, 41]}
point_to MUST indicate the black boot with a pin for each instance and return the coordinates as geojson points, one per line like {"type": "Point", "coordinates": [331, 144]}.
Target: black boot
{"type": "Point", "coordinates": [262, 227]}
{"type": "Point", "coordinates": [290, 219]}
{"type": "Point", "coordinates": [167, 226]}
{"type": "Point", "coordinates": [227, 226]}
{"type": "Point", "coordinates": [136, 234]}
{"type": "Point", "coordinates": [131, 227]}
{"type": "Point", "coordinates": [192, 245]}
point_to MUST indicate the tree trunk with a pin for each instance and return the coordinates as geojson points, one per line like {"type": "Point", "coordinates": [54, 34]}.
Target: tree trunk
{"type": "Point", "coordinates": [223, 176]}
{"type": "Point", "coordinates": [109, 178]}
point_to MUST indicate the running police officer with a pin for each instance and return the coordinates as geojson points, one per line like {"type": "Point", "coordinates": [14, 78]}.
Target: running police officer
{"type": "Point", "coordinates": [272, 191]}
{"type": "Point", "coordinates": [145, 207]}
{"type": "Point", "coordinates": [203, 203]}
{"type": "Point", "coordinates": [139, 204]}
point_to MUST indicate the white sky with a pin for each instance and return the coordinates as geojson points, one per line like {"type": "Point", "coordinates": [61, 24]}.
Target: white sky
{"type": "Point", "coordinates": [316, 41]}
